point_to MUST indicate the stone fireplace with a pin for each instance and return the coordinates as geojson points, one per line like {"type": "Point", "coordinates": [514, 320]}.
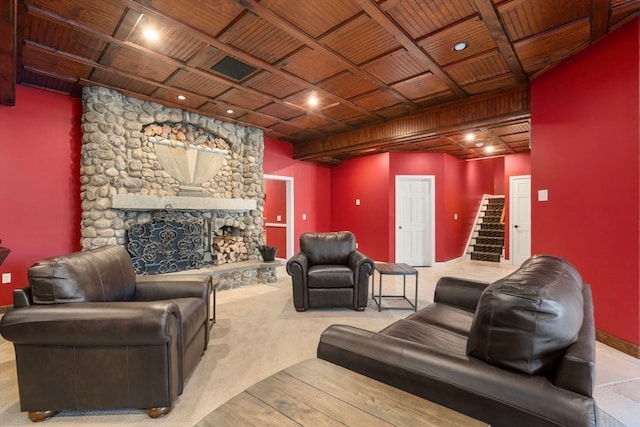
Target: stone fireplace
{"type": "Point", "coordinates": [140, 157]}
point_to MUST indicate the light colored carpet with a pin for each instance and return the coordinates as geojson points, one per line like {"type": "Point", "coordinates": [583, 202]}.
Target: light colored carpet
{"type": "Point", "coordinates": [258, 333]}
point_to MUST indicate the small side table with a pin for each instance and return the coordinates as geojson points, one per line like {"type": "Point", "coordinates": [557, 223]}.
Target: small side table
{"type": "Point", "coordinates": [403, 270]}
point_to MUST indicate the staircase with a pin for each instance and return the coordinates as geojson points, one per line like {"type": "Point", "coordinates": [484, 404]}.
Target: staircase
{"type": "Point", "coordinates": [487, 238]}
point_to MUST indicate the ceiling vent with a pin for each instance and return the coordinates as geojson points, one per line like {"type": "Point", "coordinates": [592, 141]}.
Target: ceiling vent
{"type": "Point", "coordinates": [233, 68]}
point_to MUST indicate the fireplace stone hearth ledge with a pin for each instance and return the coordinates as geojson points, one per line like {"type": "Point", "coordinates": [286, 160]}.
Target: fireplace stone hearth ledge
{"type": "Point", "coordinates": [141, 202]}
{"type": "Point", "coordinates": [237, 274]}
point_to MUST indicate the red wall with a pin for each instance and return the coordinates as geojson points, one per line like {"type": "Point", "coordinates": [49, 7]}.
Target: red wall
{"type": "Point", "coordinates": [39, 181]}
{"type": "Point", "coordinates": [456, 221]}
{"type": "Point", "coordinates": [311, 188]}
{"type": "Point", "coordinates": [585, 151]}
{"type": "Point", "coordinates": [448, 196]}
{"type": "Point", "coordinates": [366, 179]}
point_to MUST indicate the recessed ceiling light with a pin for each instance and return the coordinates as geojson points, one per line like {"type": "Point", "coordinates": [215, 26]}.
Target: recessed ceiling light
{"type": "Point", "coordinates": [460, 46]}
{"type": "Point", "coordinates": [182, 97]}
{"type": "Point", "coordinates": [469, 137]}
{"type": "Point", "coordinates": [313, 101]}
{"type": "Point", "coordinates": [229, 111]}
{"type": "Point", "coordinates": [479, 144]}
{"type": "Point", "coordinates": [489, 149]}
{"type": "Point", "coordinates": [151, 34]}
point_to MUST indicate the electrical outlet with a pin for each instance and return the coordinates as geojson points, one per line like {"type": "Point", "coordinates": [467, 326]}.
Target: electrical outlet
{"type": "Point", "coordinates": [6, 278]}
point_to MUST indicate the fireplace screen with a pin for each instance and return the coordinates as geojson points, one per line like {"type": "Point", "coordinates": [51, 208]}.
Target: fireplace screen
{"type": "Point", "coordinates": [166, 245]}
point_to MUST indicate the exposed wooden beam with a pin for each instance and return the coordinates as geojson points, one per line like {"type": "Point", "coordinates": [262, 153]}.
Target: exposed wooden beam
{"type": "Point", "coordinates": [495, 140]}
{"type": "Point", "coordinates": [8, 51]}
{"type": "Point", "coordinates": [599, 18]}
{"type": "Point", "coordinates": [471, 112]}
{"type": "Point", "coordinates": [454, 142]}
{"type": "Point", "coordinates": [125, 27]}
{"type": "Point", "coordinates": [494, 24]}
{"type": "Point", "coordinates": [376, 13]}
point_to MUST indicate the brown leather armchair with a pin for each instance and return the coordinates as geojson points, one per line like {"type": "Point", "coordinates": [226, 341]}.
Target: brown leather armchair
{"type": "Point", "coordinates": [90, 334]}
{"type": "Point", "coordinates": [329, 272]}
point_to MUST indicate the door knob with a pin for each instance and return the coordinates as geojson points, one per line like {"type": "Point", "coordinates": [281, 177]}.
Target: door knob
{"type": "Point", "coordinates": [515, 226]}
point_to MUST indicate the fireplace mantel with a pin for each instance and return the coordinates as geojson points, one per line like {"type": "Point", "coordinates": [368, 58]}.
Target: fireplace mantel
{"type": "Point", "coordinates": [133, 202]}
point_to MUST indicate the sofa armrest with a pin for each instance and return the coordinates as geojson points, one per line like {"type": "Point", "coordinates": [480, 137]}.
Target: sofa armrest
{"type": "Point", "coordinates": [461, 293]}
{"type": "Point", "coordinates": [170, 286]}
{"type": "Point", "coordinates": [576, 370]}
{"type": "Point", "coordinates": [298, 264]}
{"type": "Point", "coordinates": [465, 384]}
{"type": "Point", "coordinates": [297, 268]}
{"type": "Point", "coordinates": [92, 324]}
{"type": "Point", "coordinates": [22, 297]}
{"type": "Point", "coordinates": [361, 263]}
{"type": "Point", "coordinates": [362, 267]}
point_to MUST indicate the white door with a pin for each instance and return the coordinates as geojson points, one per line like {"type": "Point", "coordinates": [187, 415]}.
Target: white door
{"type": "Point", "coordinates": [520, 218]}
{"type": "Point", "coordinates": [414, 220]}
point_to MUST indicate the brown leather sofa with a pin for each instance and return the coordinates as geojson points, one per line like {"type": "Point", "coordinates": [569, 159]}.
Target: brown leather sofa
{"type": "Point", "coordinates": [517, 352]}
{"type": "Point", "coordinates": [90, 334]}
{"type": "Point", "coordinates": [329, 272]}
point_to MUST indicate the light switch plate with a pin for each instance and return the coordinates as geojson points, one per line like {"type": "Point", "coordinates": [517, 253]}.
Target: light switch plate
{"type": "Point", "coordinates": [543, 195]}
{"type": "Point", "coordinates": [6, 278]}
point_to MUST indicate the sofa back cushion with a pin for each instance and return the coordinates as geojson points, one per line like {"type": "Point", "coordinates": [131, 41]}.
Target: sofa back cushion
{"type": "Point", "coordinates": [328, 248]}
{"type": "Point", "coordinates": [102, 274]}
{"type": "Point", "coordinates": [526, 320]}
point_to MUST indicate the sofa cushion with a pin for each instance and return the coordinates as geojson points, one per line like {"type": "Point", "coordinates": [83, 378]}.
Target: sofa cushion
{"type": "Point", "coordinates": [330, 276]}
{"type": "Point", "coordinates": [526, 320]}
{"type": "Point", "coordinates": [97, 275]}
{"type": "Point", "coordinates": [446, 317]}
{"type": "Point", "coordinates": [428, 335]}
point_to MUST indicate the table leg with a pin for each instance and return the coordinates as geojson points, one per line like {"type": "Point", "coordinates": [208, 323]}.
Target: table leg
{"type": "Point", "coordinates": [212, 319]}
{"type": "Point", "coordinates": [404, 286]}
{"type": "Point", "coordinates": [380, 292]}
{"type": "Point", "coordinates": [416, 305]}
{"type": "Point", "coordinates": [373, 285]}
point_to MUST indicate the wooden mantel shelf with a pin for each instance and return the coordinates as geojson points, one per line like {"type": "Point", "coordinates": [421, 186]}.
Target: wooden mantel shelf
{"type": "Point", "coordinates": [135, 202]}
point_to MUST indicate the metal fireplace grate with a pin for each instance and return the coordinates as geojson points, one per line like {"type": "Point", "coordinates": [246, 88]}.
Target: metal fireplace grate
{"type": "Point", "coordinates": [166, 244]}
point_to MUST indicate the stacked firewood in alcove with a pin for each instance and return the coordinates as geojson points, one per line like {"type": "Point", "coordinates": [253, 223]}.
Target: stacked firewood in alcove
{"type": "Point", "coordinates": [229, 249]}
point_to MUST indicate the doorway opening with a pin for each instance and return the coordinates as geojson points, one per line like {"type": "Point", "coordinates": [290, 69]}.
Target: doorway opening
{"type": "Point", "coordinates": [279, 214]}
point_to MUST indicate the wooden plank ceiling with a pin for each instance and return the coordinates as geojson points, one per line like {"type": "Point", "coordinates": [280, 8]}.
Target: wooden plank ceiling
{"type": "Point", "coordinates": [384, 72]}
